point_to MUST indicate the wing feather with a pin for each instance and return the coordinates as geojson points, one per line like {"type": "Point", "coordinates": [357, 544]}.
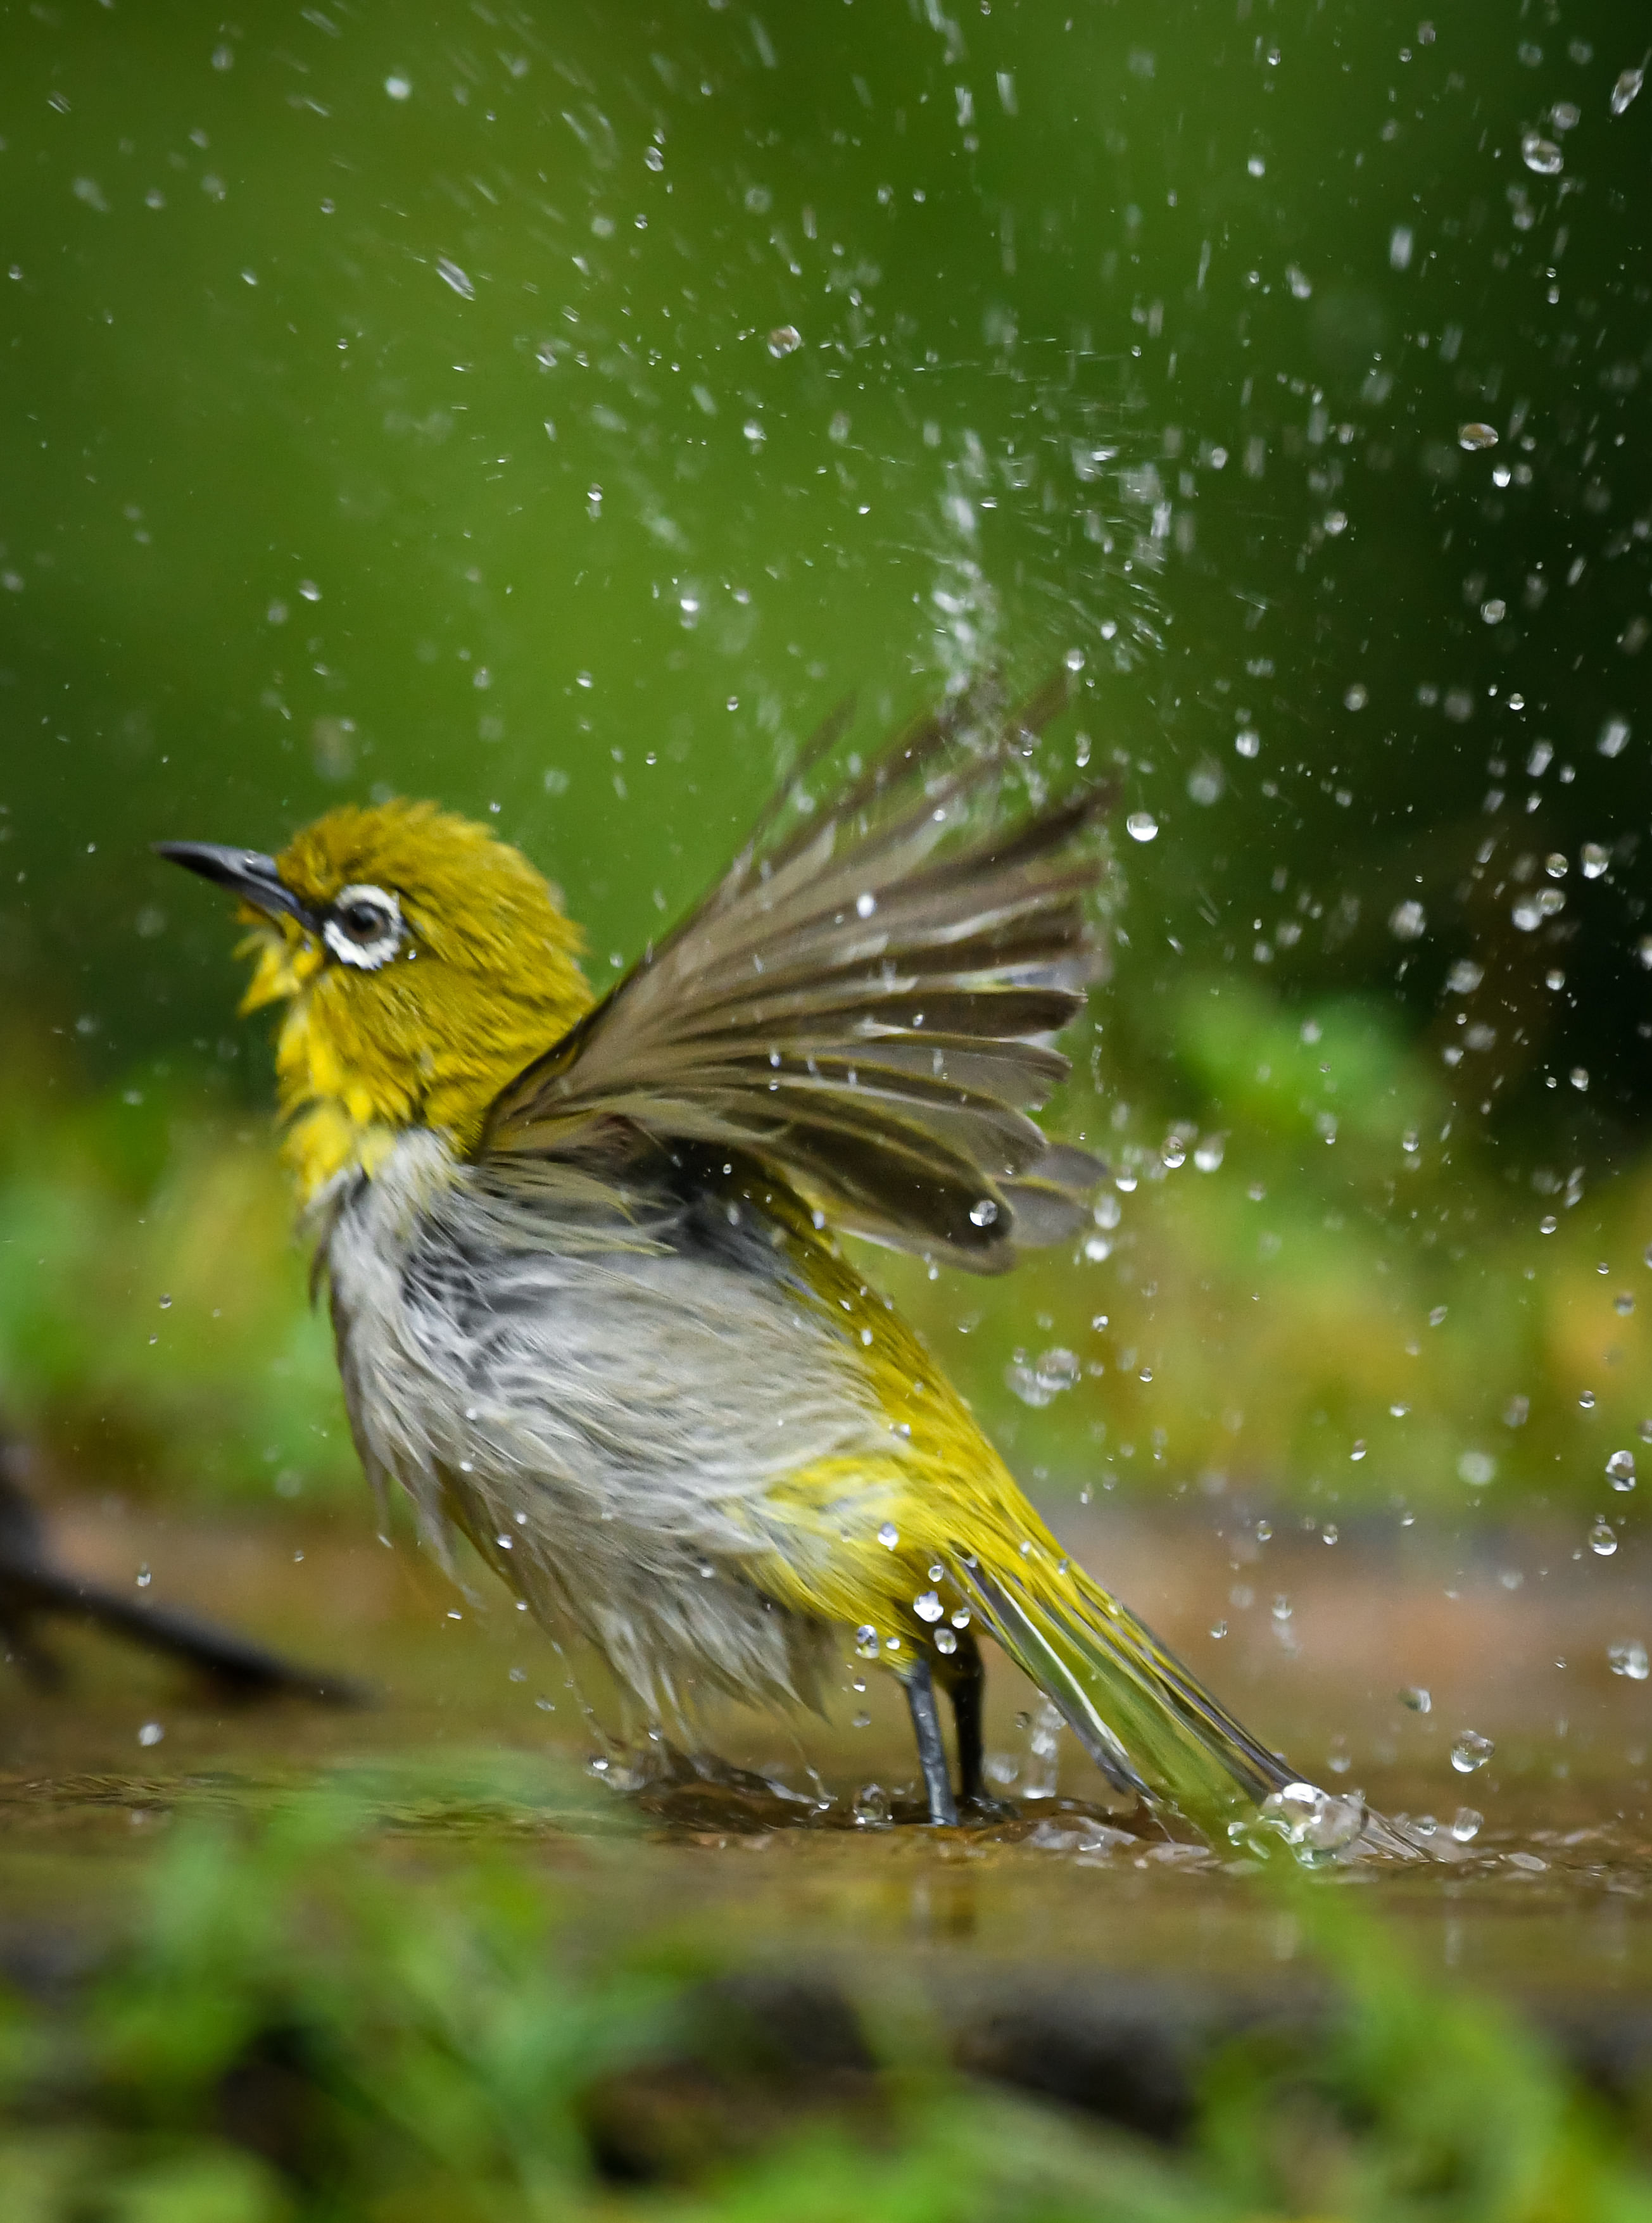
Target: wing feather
{"type": "Point", "coordinates": [863, 1002]}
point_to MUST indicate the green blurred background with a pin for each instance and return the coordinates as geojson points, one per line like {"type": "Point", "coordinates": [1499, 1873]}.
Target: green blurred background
{"type": "Point", "coordinates": [557, 411]}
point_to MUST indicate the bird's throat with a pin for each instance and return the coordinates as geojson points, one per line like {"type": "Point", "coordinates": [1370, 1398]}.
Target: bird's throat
{"type": "Point", "coordinates": [353, 1081]}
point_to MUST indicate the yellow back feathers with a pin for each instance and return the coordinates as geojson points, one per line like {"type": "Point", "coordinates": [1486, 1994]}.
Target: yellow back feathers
{"type": "Point", "coordinates": [461, 977]}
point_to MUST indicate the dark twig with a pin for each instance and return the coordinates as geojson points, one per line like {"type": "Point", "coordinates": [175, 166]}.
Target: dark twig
{"type": "Point", "coordinates": [34, 1587]}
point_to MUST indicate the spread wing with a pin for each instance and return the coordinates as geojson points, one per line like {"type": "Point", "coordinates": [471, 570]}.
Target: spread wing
{"type": "Point", "coordinates": [863, 1004]}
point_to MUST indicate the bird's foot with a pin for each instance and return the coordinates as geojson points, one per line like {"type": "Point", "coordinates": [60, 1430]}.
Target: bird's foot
{"type": "Point", "coordinates": [977, 1807]}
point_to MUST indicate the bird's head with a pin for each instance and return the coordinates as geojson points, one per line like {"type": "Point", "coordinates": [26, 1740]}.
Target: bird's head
{"type": "Point", "coordinates": [425, 962]}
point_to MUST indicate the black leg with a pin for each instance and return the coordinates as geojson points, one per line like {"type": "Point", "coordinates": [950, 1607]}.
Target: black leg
{"type": "Point", "coordinates": [932, 1748]}
{"type": "Point", "coordinates": [966, 1687]}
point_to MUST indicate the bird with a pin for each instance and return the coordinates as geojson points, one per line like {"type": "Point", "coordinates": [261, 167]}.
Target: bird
{"type": "Point", "coordinates": [585, 1259]}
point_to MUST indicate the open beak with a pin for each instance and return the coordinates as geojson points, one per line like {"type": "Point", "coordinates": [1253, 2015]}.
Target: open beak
{"type": "Point", "coordinates": [245, 872]}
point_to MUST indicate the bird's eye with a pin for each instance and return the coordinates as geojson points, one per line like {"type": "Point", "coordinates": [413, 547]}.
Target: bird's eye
{"type": "Point", "coordinates": [364, 927]}
{"type": "Point", "coordinates": [363, 921]}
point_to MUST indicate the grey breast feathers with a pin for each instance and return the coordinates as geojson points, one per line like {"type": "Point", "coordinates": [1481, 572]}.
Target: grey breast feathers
{"type": "Point", "coordinates": [601, 1393]}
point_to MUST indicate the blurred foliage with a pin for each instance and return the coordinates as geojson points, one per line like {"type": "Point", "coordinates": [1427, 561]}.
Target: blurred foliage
{"type": "Point", "coordinates": [303, 2022]}
{"type": "Point", "coordinates": [154, 1325]}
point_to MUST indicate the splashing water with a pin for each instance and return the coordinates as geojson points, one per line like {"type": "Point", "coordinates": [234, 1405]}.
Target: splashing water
{"type": "Point", "coordinates": [1316, 1824]}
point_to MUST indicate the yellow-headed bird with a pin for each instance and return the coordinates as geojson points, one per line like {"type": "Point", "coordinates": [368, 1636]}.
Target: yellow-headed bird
{"type": "Point", "coordinates": [589, 1306]}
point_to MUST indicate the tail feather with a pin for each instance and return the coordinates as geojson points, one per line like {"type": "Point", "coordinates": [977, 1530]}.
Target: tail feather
{"type": "Point", "coordinates": [1146, 1721]}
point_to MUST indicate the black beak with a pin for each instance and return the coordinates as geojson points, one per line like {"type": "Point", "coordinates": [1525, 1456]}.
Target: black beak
{"type": "Point", "coordinates": [245, 872]}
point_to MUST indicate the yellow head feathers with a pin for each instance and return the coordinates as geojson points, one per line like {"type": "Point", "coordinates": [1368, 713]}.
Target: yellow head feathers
{"type": "Point", "coordinates": [426, 963]}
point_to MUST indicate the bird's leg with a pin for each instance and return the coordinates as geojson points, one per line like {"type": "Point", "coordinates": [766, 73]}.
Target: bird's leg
{"type": "Point", "coordinates": [966, 1687]}
{"type": "Point", "coordinates": [932, 1748]}
{"type": "Point", "coordinates": [965, 1675]}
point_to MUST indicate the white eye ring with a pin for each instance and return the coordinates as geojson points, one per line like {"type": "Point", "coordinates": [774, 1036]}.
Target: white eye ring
{"type": "Point", "coordinates": [349, 947]}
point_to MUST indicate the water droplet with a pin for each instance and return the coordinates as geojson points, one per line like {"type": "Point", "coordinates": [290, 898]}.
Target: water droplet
{"type": "Point", "coordinates": [945, 1641]}
{"type": "Point", "coordinates": [1602, 1540]}
{"type": "Point", "coordinates": [1625, 91]}
{"type": "Point", "coordinates": [1408, 922]}
{"type": "Point", "coordinates": [1474, 435]}
{"type": "Point", "coordinates": [1471, 1752]}
{"type": "Point", "coordinates": [1594, 861]}
{"type": "Point", "coordinates": [927, 1606]}
{"type": "Point", "coordinates": [1359, 1451]}
{"type": "Point", "coordinates": [1493, 612]}
{"type": "Point", "coordinates": [1219, 1628]}
{"type": "Point", "coordinates": [961, 1618]}
{"type": "Point", "coordinates": [1057, 1369]}
{"type": "Point", "coordinates": [1043, 1745]}
{"type": "Point", "coordinates": [1207, 1153]}
{"type": "Point", "coordinates": [1623, 1303]}
{"type": "Point", "coordinates": [784, 339]}
{"type": "Point", "coordinates": [1628, 1660]}
{"type": "Point", "coordinates": [1465, 1824]}
{"type": "Point", "coordinates": [1173, 1151]}
{"type": "Point", "coordinates": [151, 1733]}
{"type": "Point", "coordinates": [866, 1641]}
{"type": "Point", "coordinates": [144, 1577]}
{"type": "Point", "coordinates": [1587, 1400]}
{"type": "Point", "coordinates": [1540, 154]}
{"type": "Point", "coordinates": [1330, 1533]}
{"type": "Point", "coordinates": [984, 1214]}
{"type": "Point", "coordinates": [1142, 826]}
{"type": "Point", "coordinates": [1248, 741]}
{"type": "Point", "coordinates": [1417, 1699]}
{"type": "Point", "coordinates": [889, 1535]}
{"type": "Point", "coordinates": [398, 87]}
{"type": "Point", "coordinates": [864, 905]}
{"type": "Point", "coordinates": [871, 1807]}
{"type": "Point", "coordinates": [166, 1304]}
{"type": "Point", "coordinates": [1613, 738]}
